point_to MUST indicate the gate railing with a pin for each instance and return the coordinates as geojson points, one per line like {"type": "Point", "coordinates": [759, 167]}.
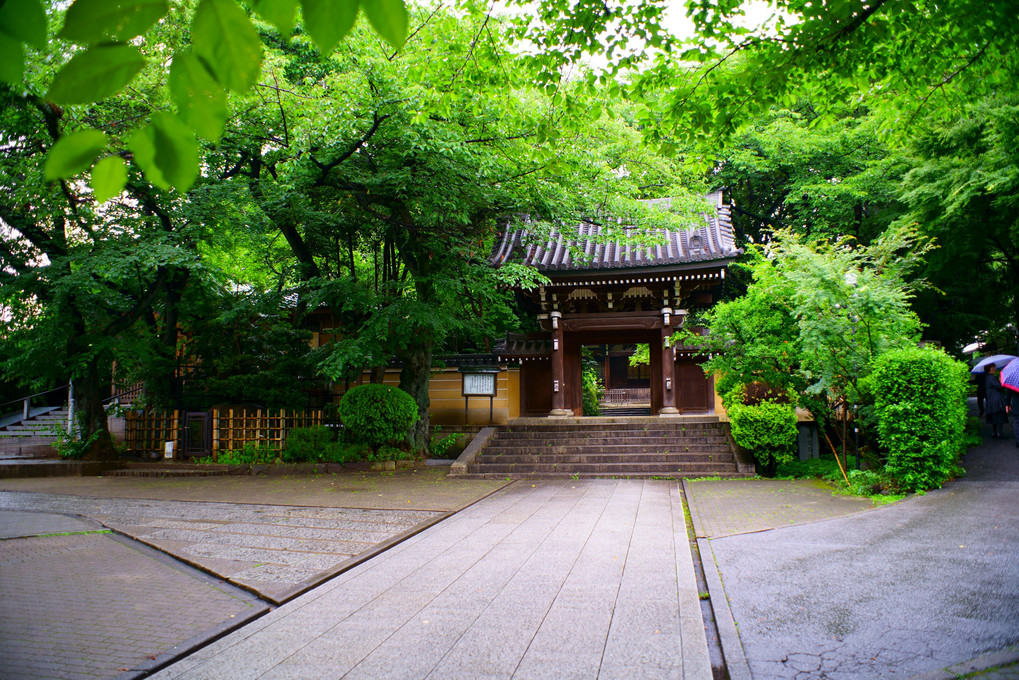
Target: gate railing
{"type": "Point", "coordinates": [627, 395]}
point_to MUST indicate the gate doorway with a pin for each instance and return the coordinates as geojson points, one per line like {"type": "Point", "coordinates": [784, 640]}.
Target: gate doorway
{"type": "Point", "coordinates": [197, 434]}
{"type": "Point", "coordinates": [626, 388]}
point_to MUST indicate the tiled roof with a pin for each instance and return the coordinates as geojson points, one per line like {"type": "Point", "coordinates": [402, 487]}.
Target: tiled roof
{"type": "Point", "coordinates": [708, 241]}
{"type": "Point", "coordinates": [521, 345]}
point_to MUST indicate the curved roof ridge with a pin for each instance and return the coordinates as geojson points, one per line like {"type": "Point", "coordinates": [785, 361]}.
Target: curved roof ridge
{"type": "Point", "coordinates": [582, 248]}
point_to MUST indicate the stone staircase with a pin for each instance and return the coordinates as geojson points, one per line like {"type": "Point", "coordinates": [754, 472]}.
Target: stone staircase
{"type": "Point", "coordinates": [34, 437]}
{"type": "Point", "coordinates": [647, 447]}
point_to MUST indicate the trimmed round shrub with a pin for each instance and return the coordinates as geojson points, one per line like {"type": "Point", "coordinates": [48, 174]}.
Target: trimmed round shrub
{"type": "Point", "coordinates": [767, 430]}
{"type": "Point", "coordinates": [920, 404]}
{"type": "Point", "coordinates": [377, 414]}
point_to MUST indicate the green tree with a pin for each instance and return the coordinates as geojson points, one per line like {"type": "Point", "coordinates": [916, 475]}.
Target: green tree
{"type": "Point", "coordinates": [97, 57]}
{"type": "Point", "coordinates": [75, 278]}
{"type": "Point", "coordinates": [823, 182]}
{"type": "Point", "coordinates": [898, 57]}
{"type": "Point", "coordinates": [963, 191]}
{"type": "Point", "coordinates": [815, 318]}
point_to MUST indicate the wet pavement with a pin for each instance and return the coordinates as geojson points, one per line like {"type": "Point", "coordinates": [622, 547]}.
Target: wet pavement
{"type": "Point", "coordinates": [892, 592]}
{"type": "Point", "coordinates": [548, 580]}
{"type": "Point", "coordinates": [81, 602]}
{"type": "Point", "coordinates": [275, 551]}
{"type": "Point", "coordinates": [559, 579]}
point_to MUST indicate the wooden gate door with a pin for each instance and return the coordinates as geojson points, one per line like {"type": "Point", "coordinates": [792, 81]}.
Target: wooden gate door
{"type": "Point", "coordinates": [696, 390]}
{"type": "Point", "coordinates": [197, 434]}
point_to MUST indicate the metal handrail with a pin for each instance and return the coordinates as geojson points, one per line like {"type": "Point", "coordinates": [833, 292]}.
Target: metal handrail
{"type": "Point", "coordinates": [32, 396]}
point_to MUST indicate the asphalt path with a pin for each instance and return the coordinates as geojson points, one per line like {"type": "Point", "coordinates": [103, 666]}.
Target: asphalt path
{"type": "Point", "coordinates": [894, 592]}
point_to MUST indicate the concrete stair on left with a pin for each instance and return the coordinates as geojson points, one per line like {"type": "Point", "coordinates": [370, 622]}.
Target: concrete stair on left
{"type": "Point", "coordinates": [33, 437]}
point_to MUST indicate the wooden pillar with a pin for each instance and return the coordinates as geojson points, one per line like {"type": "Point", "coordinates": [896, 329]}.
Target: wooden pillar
{"type": "Point", "coordinates": [558, 385]}
{"type": "Point", "coordinates": [668, 373]}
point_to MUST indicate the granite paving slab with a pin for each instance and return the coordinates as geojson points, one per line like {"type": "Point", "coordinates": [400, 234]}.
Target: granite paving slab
{"type": "Point", "coordinates": [539, 580]}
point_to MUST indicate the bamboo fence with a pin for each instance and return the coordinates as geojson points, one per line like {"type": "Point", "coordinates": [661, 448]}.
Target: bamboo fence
{"type": "Point", "coordinates": [230, 429]}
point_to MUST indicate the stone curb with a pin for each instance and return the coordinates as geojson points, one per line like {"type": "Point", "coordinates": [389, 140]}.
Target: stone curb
{"type": "Point", "coordinates": [728, 635]}
{"type": "Point", "coordinates": [459, 466]}
{"type": "Point", "coordinates": [696, 659]}
{"type": "Point", "coordinates": [1004, 657]}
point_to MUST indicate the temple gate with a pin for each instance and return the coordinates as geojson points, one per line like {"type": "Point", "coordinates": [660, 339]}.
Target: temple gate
{"type": "Point", "coordinates": [617, 293]}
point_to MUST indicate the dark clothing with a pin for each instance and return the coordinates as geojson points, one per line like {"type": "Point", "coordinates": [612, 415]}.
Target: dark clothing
{"type": "Point", "coordinates": [996, 401]}
{"type": "Point", "coordinates": [981, 380]}
{"type": "Point", "coordinates": [1014, 397]}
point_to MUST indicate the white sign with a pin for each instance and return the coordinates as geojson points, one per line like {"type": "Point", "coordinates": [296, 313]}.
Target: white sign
{"type": "Point", "coordinates": [479, 384]}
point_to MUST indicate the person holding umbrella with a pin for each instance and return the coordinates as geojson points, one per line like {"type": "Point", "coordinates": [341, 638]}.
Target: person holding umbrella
{"type": "Point", "coordinates": [997, 404]}
{"type": "Point", "coordinates": [1009, 379]}
{"type": "Point", "coordinates": [979, 373]}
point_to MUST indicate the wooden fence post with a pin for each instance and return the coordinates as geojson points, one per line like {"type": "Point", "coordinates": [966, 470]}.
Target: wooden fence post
{"type": "Point", "coordinates": [175, 434]}
{"type": "Point", "coordinates": [215, 435]}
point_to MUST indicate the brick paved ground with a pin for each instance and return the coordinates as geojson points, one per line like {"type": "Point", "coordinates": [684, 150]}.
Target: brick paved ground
{"type": "Point", "coordinates": [91, 605]}
{"type": "Point", "coordinates": [417, 489]}
{"type": "Point", "coordinates": [272, 549]}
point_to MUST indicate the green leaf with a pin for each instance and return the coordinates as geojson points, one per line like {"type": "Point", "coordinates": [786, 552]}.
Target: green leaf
{"type": "Point", "coordinates": [24, 20]}
{"type": "Point", "coordinates": [279, 13]}
{"type": "Point", "coordinates": [12, 60]}
{"type": "Point", "coordinates": [328, 21]}
{"type": "Point", "coordinates": [389, 17]}
{"type": "Point", "coordinates": [93, 21]}
{"type": "Point", "coordinates": [166, 151]}
{"type": "Point", "coordinates": [224, 38]}
{"type": "Point", "coordinates": [108, 178]}
{"type": "Point", "coordinates": [199, 98]}
{"type": "Point", "coordinates": [96, 74]}
{"type": "Point", "coordinates": [74, 153]}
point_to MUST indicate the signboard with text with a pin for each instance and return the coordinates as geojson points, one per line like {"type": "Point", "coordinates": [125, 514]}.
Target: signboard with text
{"type": "Point", "coordinates": [479, 384]}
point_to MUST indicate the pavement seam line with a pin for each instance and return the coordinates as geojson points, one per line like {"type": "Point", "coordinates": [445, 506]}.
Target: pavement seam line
{"type": "Point", "coordinates": [510, 580]}
{"type": "Point", "coordinates": [559, 590]}
{"type": "Point", "coordinates": [622, 570]}
{"type": "Point", "coordinates": [58, 533]}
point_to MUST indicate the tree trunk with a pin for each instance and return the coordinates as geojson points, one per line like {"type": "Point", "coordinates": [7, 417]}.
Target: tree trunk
{"type": "Point", "coordinates": [378, 375]}
{"type": "Point", "coordinates": [414, 379]}
{"type": "Point", "coordinates": [89, 395]}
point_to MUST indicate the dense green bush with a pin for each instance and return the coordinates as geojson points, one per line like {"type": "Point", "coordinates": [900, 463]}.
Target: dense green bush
{"type": "Point", "coordinates": [308, 444]}
{"type": "Point", "coordinates": [441, 446]}
{"type": "Point", "coordinates": [377, 414]}
{"type": "Point", "coordinates": [767, 430]}
{"type": "Point", "coordinates": [251, 454]}
{"type": "Point", "coordinates": [920, 404]}
{"type": "Point", "coordinates": [71, 445]}
{"type": "Point", "coordinates": [591, 391]}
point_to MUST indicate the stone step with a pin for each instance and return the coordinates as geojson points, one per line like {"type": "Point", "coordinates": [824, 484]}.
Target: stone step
{"type": "Point", "coordinates": [554, 449]}
{"type": "Point", "coordinates": [614, 421]}
{"type": "Point", "coordinates": [598, 475]}
{"type": "Point", "coordinates": [600, 439]}
{"type": "Point", "coordinates": [46, 422]}
{"type": "Point", "coordinates": [608, 426]}
{"type": "Point", "coordinates": [28, 431]}
{"type": "Point", "coordinates": [609, 458]}
{"type": "Point", "coordinates": [604, 469]}
{"type": "Point", "coordinates": [668, 441]}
